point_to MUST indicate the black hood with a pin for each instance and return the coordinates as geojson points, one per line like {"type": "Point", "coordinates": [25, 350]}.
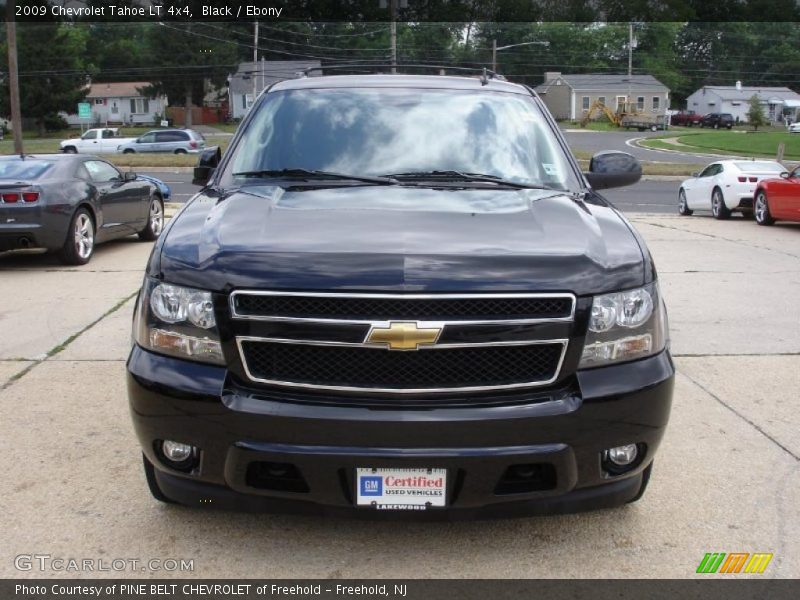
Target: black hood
{"type": "Point", "coordinates": [400, 239]}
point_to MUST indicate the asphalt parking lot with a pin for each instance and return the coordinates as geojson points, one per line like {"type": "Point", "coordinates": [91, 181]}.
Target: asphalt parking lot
{"type": "Point", "coordinates": [727, 478]}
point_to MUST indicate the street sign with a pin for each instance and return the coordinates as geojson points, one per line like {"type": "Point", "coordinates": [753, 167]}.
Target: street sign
{"type": "Point", "coordinates": [84, 110]}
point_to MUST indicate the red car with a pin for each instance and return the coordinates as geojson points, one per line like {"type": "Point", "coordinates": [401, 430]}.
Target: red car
{"type": "Point", "coordinates": [686, 118]}
{"type": "Point", "coordinates": [778, 199]}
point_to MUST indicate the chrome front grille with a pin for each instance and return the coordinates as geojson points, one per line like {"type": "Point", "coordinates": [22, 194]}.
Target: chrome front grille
{"type": "Point", "coordinates": [388, 344]}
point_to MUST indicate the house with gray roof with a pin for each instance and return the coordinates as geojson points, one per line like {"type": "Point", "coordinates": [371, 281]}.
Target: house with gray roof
{"type": "Point", "coordinates": [777, 102]}
{"type": "Point", "coordinates": [252, 77]}
{"type": "Point", "coordinates": [571, 96]}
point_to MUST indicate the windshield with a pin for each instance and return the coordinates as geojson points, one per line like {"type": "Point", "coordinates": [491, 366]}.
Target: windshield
{"type": "Point", "coordinates": [380, 131]}
{"type": "Point", "coordinates": [23, 169]}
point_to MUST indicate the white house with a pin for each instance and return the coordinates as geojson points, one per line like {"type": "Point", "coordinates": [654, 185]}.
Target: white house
{"type": "Point", "coordinates": [251, 78]}
{"type": "Point", "coordinates": [777, 102]}
{"type": "Point", "coordinates": [121, 103]}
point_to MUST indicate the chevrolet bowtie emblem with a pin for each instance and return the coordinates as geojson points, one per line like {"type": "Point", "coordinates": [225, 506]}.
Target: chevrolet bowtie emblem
{"type": "Point", "coordinates": [403, 335]}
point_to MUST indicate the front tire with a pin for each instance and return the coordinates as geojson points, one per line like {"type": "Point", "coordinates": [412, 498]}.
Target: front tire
{"type": "Point", "coordinates": [180, 151]}
{"type": "Point", "coordinates": [155, 221]}
{"type": "Point", "coordinates": [70, 150]}
{"type": "Point", "coordinates": [683, 205]}
{"type": "Point", "coordinates": [653, 128]}
{"type": "Point", "coordinates": [761, 209]}
{"type": "Point", "coordinates": [718, 208]}
{"type": "Point", "coordinates": [79, 246]}
{"type": "Point", "coordinates": [128, 151]}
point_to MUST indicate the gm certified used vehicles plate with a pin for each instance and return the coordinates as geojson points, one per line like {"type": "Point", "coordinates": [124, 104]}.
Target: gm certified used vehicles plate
{"type": "Point", "coordinates": [398, 294]}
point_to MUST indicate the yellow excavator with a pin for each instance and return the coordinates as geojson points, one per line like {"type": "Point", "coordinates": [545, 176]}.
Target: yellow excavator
{"type": "Point", "coordinates": [626, 109]}
{"type": "Point", "coordinates": [599, 107]}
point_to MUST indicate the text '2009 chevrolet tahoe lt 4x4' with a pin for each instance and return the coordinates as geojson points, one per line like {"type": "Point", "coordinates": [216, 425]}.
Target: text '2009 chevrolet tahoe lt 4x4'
{"type": "Point", "coordinates": [395, 294]}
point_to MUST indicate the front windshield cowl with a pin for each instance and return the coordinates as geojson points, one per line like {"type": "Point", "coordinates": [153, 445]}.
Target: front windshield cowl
{"type": "Point", "coordinates": [492, 136]}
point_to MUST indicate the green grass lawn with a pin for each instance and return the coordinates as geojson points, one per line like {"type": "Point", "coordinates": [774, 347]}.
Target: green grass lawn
{"type": "Point", "coordinates": [761, 144]}
{"type": "Point", "coordinates": [226, 127]}
{"type": "Point", "coordinates": [29, 146]}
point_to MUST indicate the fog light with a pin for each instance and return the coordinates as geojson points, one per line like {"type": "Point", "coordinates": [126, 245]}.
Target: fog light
{"type": "Point", "coordinates": [176, 451]}
{"type": "Point", "coordinates": [622, 456]}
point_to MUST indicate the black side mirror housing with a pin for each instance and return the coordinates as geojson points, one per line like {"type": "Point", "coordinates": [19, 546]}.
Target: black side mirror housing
{"type": "Point", "coordinates": [206, 165]}
{"type": "Point", "coordinates": [612, 169]}
{"type": "Point", "coordinates": [129, 176]}
{"type": "Point", "coordinates": [785, 175]}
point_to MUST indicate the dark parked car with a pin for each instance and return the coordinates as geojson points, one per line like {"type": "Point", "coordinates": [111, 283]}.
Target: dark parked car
{"type": "Point", "coordinates": [69, 203]}
{"type": "Point", "coordinates": [717, 120]}
{"type": "Point", "coordinates": [400, 293]}
{"type": "Point", "coordinates": [175, 141]}
{"type": "Point", "coordinates": [685, 118]}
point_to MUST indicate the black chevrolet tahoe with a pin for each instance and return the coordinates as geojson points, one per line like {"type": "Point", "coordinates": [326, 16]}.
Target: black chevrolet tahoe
{"type": "Point", "coordinates": [396, 295]}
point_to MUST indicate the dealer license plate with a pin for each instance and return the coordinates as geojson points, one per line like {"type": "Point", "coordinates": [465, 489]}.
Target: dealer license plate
{"type": "Point", "coordinates": [401, 489]}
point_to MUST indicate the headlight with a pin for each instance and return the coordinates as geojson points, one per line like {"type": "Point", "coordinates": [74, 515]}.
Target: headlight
{"type": "Point", "coordinates": [178, 321]}
{"type": "Point", "coordinates": [625, 326]}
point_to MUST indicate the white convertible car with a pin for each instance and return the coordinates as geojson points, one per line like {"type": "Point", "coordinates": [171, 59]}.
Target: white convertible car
{"type": "Point", "coordinates": [725, 186]}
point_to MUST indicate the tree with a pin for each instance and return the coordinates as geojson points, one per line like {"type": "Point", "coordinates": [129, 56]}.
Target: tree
{"type": "Point", "coordinates": [53, 72]}
{"type": "Point", "coordinates": [187, 55]}
{"type": "Point", "coordinates": [755, 114]}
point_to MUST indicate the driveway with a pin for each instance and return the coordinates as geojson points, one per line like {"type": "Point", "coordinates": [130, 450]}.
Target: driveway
{"type": "Point", "coordinates": [727, 478]}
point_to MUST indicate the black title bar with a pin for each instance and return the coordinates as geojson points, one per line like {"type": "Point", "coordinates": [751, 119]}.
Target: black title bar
{"type": "Point", "coordinates": [406, 10]}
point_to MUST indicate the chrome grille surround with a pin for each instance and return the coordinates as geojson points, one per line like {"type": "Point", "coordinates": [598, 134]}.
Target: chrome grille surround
{"type": "Point", "coordinates": [380, 320]}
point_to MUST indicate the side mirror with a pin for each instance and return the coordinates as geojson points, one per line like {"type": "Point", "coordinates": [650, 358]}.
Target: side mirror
{"type": "Point", "coordinates": [612, 169]}
{"type": "Point", "coordinates": [696, 174]}
{"type": "Point", "coordinates": [785, 175]}
{"type": "Point", "coordinates": [206, 165]}
{"type": "Point", "coordinates": [129, 176]}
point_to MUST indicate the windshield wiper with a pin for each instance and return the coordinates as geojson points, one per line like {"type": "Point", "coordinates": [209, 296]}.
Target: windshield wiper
{"type": "Point", "coordinates": [461, 176]}
{"type": "Point", "coordinates": [315, 174]}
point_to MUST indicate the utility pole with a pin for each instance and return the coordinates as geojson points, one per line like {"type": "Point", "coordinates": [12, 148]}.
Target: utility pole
{"type": "Point", "coordinates": [630, 49]}
{"type": "Point", "coordinates": [630, 64]}
{"type": "Point", "coordinates": [494, 56]}
{"type": "Point", "coordinates": [393, 33]}
{"type": "Point", "coordinates": [13, 78]}
{"type": "Point", "coordinates": [255, 62]}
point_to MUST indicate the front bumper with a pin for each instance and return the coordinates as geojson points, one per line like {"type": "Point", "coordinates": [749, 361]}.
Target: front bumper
{"type": "Point", "coordinates": [234, 427]}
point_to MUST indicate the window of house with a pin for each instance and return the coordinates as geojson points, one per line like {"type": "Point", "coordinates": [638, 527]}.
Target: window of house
{"type": "Point", "coordinates": [99, 101]}
{"type": "Point", "coordinates": [140, 106]}
{"type": "Point", "coordinates": [602, 100]}
{"type": "Point", "coordinates": [244, 100]}
{"type": "Point", "coordinates": [640, 102]}
{"type": "Point", "coordinates": [586, 103]}
{"type": "Point", "coordinates": [656, 102]}
{"type": "Point", "coordinates": [114, 108]}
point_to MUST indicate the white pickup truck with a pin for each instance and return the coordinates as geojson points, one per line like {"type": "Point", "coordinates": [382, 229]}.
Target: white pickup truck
{"type": "Point", "coordinates": [95, 141]}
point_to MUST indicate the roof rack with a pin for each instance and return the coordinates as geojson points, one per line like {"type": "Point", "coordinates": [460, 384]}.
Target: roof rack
{"type": "Point", "coordinates": [484, 73]}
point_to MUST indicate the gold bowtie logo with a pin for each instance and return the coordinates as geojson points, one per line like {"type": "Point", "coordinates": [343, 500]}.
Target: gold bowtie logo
{"type": "Point", "coordinates": [403, 336]}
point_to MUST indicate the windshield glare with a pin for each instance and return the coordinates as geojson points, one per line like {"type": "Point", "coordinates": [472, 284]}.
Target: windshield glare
{"type": "Point", "coordinates": [379, 131]}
